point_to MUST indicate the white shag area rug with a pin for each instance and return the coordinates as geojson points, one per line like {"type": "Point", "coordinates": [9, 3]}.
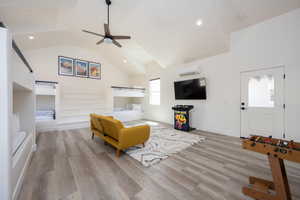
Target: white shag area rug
{"type": "Point", "coordinates": [163, 142]}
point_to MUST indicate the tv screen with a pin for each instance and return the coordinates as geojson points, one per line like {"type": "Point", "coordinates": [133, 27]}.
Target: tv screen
{"type": "Point", "coordinates": [190, 89]}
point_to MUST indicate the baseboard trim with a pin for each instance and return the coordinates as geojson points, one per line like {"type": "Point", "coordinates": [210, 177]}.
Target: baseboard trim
{"type": "Point", "coordinates": [64, 126]}
{"type": "Point", "coordinates": [214, 131]}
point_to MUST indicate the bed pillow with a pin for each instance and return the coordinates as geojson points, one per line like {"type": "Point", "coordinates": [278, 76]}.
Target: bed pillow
{"type": "Point", "coordinates": [137, 107]}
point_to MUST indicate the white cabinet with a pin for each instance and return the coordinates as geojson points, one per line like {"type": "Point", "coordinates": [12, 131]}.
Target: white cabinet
{"type": "Point", "coordinates": [17, 96]}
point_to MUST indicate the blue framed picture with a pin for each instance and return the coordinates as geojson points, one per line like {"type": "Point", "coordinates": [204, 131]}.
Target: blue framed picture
{"type": "Point", "coordinates": [81, 68]}
{"type": "Point", "coordinates": [94, 70]}
{"type": "Point", "coordinates": [65, 66]}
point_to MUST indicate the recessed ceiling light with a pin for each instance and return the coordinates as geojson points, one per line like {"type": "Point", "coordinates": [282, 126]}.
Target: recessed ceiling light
{"type": "Point", "coordinates": [31, 37]}
{"type": "Point", "coordinates": [125, 61]}
{"type": "Point", "coordinates": [199, 22]}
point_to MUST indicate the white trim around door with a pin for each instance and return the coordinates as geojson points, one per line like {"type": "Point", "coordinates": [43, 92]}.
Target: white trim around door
{"type": "Point", "coordinates": [262, 102]}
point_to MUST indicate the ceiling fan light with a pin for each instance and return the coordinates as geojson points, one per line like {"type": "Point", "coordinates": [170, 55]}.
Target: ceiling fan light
{"type": "Point", "coordinates": [107, 37]}
{"type": "Point", "coordinates": [107, 40]}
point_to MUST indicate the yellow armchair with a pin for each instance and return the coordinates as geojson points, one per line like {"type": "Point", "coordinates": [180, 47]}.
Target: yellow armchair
{"type": "Point", "coordinates": [113, 132]}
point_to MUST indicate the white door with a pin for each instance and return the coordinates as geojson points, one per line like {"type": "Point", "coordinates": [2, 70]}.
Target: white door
{"type": "Point", "coordinates": [262, 103]}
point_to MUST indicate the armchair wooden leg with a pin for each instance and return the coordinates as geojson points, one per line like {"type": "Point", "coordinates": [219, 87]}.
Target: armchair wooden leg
{"type": "Point", "coordinates": [93, 135]}
{"type": "Point", "coordinates": [118, 153]}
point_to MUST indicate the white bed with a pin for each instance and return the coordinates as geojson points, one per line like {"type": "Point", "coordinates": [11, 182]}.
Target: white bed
{"type": "Point", "coordinates": [127, 115]}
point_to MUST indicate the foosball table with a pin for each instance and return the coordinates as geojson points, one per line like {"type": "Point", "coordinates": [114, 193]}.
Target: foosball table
{"type": "Point", "coordinates": [277, 151]}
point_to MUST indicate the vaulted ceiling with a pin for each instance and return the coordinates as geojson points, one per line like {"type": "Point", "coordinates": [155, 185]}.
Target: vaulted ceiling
{"type": "Point", "coordinates": [164, 32]}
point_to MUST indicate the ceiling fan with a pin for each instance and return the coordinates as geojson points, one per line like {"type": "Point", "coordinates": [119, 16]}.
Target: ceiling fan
{"type": "Point", "coordinates": [108, 37]}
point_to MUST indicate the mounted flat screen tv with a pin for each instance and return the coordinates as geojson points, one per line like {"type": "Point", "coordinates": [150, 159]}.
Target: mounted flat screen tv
{"type": "Point", "coordinates": [190, 89]}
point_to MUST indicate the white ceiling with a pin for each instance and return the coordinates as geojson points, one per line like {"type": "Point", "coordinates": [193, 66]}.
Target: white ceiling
{"type": "Point", "coordinates": [163, 32]}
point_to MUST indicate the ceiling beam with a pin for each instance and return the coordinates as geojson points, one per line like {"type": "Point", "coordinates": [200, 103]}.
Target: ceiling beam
{"type": "Point", "coordinates": [18, 51]}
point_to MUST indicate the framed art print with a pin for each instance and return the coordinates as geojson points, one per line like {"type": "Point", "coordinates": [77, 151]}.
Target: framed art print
{"type": "Point", "coordinates": [95, 70]}
{"type": "Point", "coordinates": [81, 68]}
{"type": "Point", "coordinates": [65, 66]}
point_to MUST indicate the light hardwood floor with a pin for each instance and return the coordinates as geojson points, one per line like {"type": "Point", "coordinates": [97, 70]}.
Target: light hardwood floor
{"type": "Point", "coordinates": [70, 165]}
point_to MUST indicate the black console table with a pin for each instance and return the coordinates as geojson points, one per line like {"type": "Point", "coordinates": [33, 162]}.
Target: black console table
{"type": "Point", "coordinates": [182, 117]}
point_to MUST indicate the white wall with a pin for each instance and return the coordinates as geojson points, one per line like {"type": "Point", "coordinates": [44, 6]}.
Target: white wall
{"type": "Point", "coordinates": [5, 110]}
{"type": "Point", "coordinates": [271, 43]}
{"type": "Point", "coordinates": [126, 102]}
{"type": "Point", "coordinates": [121, 102]}
{"type": "Point", "coordinates": [78, 96]}
{"type": "Point", "coordinates": [24, 106]}
{"type": "Point", "coordinates": [212, 114]}
{"type": "Point", "coordinates": [45, 102]}
{"type": "Point", "coordinates": [138, 80]}
{"type": "Point", "coordinates": [20, 73]}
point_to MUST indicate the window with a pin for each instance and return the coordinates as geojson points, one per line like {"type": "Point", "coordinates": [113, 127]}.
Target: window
{"type": "Point", "coordinates": [261, 91]}
{"type": "Point", "coordinates": [154, 90]}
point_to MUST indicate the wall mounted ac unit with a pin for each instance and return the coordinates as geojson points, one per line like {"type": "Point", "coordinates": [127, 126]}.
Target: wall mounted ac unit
{"type": "Point", "coordinates": [189, 74]}
{"type": "Point", "coordinates": [189, 71]}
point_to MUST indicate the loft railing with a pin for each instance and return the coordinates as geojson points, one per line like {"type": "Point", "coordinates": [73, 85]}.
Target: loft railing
{"type": "Point", "coordinates": [50, 82]}
{"type": "Point", "coordinates": [18, 51]}
{"type": "Point", "coordinates": [132, 88]}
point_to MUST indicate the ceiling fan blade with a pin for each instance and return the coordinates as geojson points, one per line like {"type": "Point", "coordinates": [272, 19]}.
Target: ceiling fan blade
{"type": "Point", "coordinates": [116, 43]}
{"type": "Point", "coordinates": [101, 41]}
{"type": "Point", "coordinates": [93, 33]}
{"type": "Point", "coordinates": [121, 37]}
{"type": "Point", "coordinates": [106, 29]}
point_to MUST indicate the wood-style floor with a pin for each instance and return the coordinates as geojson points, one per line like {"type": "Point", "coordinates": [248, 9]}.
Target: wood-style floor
{"type": "Point", "coordinates": [70, 165]}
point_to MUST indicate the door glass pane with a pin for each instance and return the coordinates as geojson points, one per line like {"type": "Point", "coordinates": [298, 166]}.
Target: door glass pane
{"type": "Point", "coordinates": [261, 91]}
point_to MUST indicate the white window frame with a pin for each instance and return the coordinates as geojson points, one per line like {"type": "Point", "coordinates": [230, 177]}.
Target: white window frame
{"type": "Point", "coordinates": [154, 93]}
